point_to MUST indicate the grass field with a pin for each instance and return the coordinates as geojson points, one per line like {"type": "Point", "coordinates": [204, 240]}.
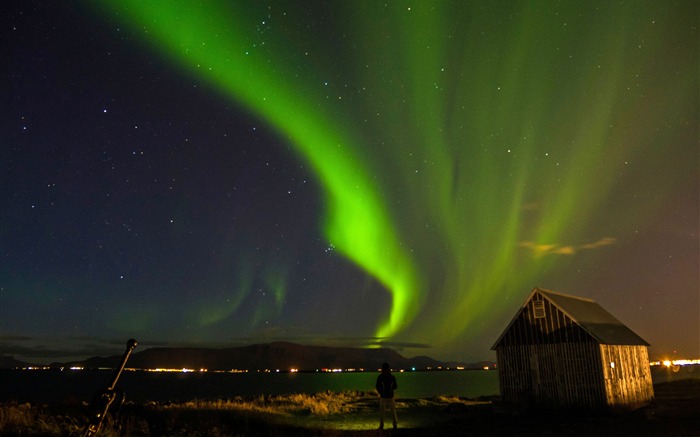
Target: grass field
{"type": "Point", "coordinates": [675, 412]}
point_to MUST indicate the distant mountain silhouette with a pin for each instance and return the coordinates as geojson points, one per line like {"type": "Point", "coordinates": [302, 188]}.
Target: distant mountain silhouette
{"type": "Point", "coordinates": [7, 362]}
{"type": "Point", "coordinates": [281, 356]}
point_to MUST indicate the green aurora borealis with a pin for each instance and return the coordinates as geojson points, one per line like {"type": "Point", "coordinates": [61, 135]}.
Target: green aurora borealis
{"type": "Point", "coordinates": [461, 146]}
{"type": "Point", "coordinates": [463, 152]}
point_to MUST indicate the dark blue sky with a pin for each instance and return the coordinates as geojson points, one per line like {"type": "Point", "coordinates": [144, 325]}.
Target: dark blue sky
{"type": "Point", "coordinates": [551, 147]}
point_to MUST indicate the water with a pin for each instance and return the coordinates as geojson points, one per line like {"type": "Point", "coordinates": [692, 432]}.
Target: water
{"type": "Point", "coordinates": [48, 386]}
{"type": "Point", "coordinates": [76, 386]}
{"type": "Point", "coordinates": [660, 374]}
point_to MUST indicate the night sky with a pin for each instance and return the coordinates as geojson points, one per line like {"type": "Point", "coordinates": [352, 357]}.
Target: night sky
{"type": "Point", "coordinates": [350, 173]}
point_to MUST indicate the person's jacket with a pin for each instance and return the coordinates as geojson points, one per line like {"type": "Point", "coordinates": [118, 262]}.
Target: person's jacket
{"type": "Point", "coordinates": [386, 384]}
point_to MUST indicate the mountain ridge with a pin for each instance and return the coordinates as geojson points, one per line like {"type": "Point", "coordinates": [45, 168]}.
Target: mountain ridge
{"type": "Point", "coordinates": [275, 356]}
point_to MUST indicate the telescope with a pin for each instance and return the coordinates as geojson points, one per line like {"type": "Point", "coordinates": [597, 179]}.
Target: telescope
{"type": "Point", "coordinates": [109, 399]}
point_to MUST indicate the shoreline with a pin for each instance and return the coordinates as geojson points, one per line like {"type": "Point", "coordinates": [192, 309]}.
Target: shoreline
{"type": "Point", "coordinates": [675, 411]}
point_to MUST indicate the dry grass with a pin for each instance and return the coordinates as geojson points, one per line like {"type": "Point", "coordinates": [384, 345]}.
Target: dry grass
{"type": "Point", "coordinates": [295, 414]}
{"type": "Point", "coordinates": [25, 419]}
{"type": "Point", "coordinates": [319, 404]}
{"type": "Point", "coordinates": [355, 413]}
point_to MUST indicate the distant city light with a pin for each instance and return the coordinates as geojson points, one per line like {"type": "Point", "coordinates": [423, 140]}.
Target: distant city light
{"type": "Point", "coordinates": [669, 363]}
{"type": "Point", "coordinates": [183, 370]}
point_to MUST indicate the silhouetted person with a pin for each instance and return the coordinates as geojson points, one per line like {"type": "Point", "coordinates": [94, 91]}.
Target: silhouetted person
{"type": "Point", "coordinates": [386, 384]}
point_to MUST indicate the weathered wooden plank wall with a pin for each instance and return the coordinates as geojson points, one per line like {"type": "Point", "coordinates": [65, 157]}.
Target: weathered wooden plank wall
{"type": "Point", "coordinates": [560, 375]}
{"type": "Point", "coordinates": [627, 375]}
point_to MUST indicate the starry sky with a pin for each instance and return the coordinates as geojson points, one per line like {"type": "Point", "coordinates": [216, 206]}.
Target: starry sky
{"type": "Point", "coordinates": [348, 173]}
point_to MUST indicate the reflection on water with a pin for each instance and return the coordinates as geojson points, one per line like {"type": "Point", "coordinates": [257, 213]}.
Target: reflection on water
{"type": "Point", "coordinates": [661, 374]}
{"type": "Point", "coordinates": [78, 386]}
{"type": "Point", "coordinates": [75, 385]}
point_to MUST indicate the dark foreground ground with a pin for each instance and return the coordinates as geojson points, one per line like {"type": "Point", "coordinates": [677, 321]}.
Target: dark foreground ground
{"type": "Point", "coordinates": [675, 412]}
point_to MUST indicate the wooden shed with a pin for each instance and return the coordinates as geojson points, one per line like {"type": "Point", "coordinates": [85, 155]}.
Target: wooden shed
{"type": "Point", "coordinates": [563, 351]}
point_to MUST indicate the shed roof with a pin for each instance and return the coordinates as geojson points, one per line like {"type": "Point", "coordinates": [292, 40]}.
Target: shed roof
{"type": "Point", "coordinates": [595, 320]}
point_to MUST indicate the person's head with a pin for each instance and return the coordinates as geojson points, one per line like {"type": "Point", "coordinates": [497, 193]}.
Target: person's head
{"type": "Point", "coordinates": [386, 368]}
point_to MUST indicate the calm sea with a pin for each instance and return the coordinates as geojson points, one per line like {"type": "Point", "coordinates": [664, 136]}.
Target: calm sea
{"type": "Point", "coordinates": [73, 385]}
{"type": "Point", "coordinates": [47, 386]}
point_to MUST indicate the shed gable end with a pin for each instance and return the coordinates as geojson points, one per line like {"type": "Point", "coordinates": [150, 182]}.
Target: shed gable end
{"type": "Point", "coordinates": [541, 322]}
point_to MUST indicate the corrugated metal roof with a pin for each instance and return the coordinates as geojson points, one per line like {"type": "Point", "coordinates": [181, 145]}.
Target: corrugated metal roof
{"type": "Point", "coordinates": [599, 323]}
